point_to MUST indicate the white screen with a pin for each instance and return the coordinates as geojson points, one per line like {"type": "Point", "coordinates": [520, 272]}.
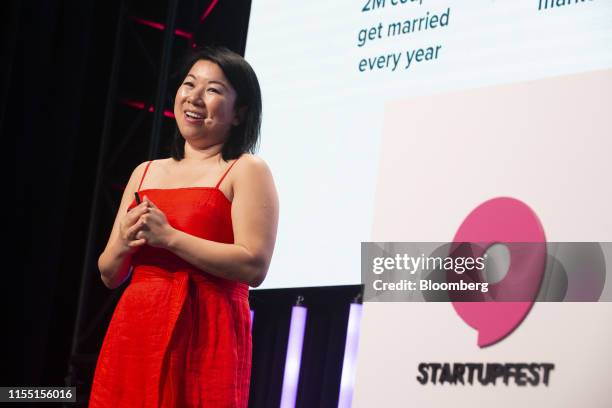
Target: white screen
{"type": "Point", "coordinates": [324, 119]}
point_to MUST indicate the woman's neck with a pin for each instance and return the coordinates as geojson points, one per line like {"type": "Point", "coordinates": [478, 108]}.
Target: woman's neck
{"type": "Point", "coordinates": [207, 154]}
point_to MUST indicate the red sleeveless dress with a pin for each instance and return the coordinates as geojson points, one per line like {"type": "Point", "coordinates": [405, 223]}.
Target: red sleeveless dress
{"type": "Point", "coordinates": [179, 337]}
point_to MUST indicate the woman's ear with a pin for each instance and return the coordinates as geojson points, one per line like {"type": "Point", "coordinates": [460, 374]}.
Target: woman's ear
{"type": "Point", "coordinates": [239, 116]}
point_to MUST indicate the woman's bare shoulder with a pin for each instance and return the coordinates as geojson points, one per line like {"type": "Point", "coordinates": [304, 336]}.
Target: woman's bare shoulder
{"type": "Point", "coordinates": [145, 163]}
{"type": "Point", "coordinates": [140, 169]}
{"type": "Point", "coordinates": [251, 167]}
{"type": "Point", "coordinates": [251, 162]}
{"type": "Point", "coordinates": [138, 172]}
{"type": "Point", "coordinates": [159, 163]}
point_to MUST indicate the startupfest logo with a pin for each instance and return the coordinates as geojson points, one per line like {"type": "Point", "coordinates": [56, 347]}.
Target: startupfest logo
{"type": "Point", "coordinates": [571, 272]}
{"type": "Point", "coordinates": [508, 220]}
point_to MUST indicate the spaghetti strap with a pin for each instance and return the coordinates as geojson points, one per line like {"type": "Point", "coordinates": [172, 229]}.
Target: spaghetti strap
{"type": "Point", "coordinates": [144, 174]}
{"type": "Point", "coordinates": [225, 174]}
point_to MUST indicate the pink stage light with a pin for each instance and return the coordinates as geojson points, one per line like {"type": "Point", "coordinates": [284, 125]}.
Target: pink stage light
{"type": "Point", "coordinates": [133, 104]}
{"type": "Point", "coordinates": [208, 10]}
{"type": "Point", "coordinates": [160, 26]}
{"type": "Point", "coordinates": [347, 380]}
{"type": "Point", "coordinates": [141, 105]}
{"type": "Point", "coordinates": [294, 357]}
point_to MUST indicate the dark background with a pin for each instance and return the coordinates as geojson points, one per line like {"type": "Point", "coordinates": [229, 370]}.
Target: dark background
{"type": "Point", "coordinates": [67, 68]}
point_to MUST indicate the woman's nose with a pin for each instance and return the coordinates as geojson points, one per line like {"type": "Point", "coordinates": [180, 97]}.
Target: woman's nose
{"type": "Point", "coordinates": [196, 101]}
{"type": "Point", "coordinates": [195, 98]}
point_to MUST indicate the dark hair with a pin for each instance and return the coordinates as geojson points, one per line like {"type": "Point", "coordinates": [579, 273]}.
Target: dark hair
{"type": "Point", "coordinates": [244, 137]}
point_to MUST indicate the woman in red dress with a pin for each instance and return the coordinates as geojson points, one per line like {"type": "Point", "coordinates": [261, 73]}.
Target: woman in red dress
{"type": "Point", "coordinates": [180, 334]}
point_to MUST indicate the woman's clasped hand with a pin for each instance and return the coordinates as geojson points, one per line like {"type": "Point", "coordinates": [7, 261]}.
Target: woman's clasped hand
{"type": "Point", "coordinates": [145, 224]}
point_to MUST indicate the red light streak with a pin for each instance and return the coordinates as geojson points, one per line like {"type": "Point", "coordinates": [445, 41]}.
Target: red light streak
{"type": "Point", "coordinates": [160, 26]}
{"type": "Point", "coordinates": [208, 10]}
{"type": "Point", "coordinates": [141, 105]}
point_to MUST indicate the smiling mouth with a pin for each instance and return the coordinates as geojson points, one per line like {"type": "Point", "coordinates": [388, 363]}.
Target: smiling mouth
{"type": "Point", "coordinates": [194, 118]}
{"type": "Point", "coordinates": [194, 115]}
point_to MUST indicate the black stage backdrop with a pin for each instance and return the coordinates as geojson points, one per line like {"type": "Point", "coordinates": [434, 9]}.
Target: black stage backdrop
{"type": "Point", "coordinates": [56, 100]}
{"type": "Point", "coordinates": [57, 59]}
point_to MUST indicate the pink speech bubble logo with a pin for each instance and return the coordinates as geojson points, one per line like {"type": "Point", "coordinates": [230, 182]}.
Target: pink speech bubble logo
{"type": "Point", "coordinates": [504, 220]}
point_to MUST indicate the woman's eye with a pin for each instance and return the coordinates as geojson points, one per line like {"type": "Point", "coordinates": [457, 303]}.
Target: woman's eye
{"type": "Point", "coordinates": [187, 83]}
{"type": "Point", "coordinates": [213, 90]}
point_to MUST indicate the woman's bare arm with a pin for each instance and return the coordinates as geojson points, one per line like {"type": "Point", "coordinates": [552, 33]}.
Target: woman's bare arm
{"type": "Point", "coordinates": [114, 262]}
{"type": "Point", "coordinates": [255, 221]}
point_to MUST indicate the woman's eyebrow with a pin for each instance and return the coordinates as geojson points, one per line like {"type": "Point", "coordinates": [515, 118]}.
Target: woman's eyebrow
{"type": "Point", "coordinates": [212, 81]}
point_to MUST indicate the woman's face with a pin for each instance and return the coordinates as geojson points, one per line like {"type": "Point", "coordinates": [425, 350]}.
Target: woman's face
{"type": "Point", "coordinates": [204, 105]}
